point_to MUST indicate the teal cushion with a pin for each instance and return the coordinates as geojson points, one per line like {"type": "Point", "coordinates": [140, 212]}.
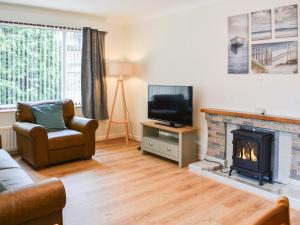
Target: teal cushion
{"type": "Point", "coordinates": [50, 116]}
{"type": "Point", "coordinates": [2, 188]}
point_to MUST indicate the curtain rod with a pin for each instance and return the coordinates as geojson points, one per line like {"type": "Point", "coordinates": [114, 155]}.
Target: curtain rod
{"type": "Point", "coordinates": [40, 25]}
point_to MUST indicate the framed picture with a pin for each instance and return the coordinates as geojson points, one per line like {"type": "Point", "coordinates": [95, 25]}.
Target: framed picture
{"type": "Point", "coordinates": [261, 25]}
{"type": "Point", "coordinates": [286, 21]}
{"type": "Point", "coordinates": [275, 58]}
{"type": "Point", "coordinates": [238, 33]}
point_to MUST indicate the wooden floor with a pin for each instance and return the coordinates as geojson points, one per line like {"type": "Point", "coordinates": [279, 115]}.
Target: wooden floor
{"type": "Point", "coordinates": [121, 186]}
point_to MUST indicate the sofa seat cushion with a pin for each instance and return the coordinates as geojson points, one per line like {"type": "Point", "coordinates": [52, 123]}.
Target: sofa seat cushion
{"type": "Point", "coordinates": [2, 187]}
{"type": "Point", "coordinates": [14, 178]}
{"type": "Point", "coordinates": [64, 139]}
{"type": "Point", "coordinates": [6, 161]}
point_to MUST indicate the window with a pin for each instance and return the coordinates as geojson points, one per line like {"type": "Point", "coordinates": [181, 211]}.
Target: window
{"type": "Point", "coordinates": [39, 64]}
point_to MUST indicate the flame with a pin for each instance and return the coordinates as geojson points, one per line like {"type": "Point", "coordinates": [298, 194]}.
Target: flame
{"type": "Point", "coordinates": [253, 155]}
{"type": "Point", "coordinates": [244, 154]}
{"type": "Point", "coordinates": [248, 155]}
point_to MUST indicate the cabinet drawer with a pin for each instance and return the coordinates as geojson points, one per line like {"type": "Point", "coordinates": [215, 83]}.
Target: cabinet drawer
{"type": "Point", "coordinates": [169, 149]}
{"type": "Point", "coordinates": [150, 144]}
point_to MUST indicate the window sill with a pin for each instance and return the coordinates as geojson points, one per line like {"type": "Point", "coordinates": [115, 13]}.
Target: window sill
{"type": "Point", "coordinates": [7, 110]}
{"type": "Point", "coordinates": [14, 110]}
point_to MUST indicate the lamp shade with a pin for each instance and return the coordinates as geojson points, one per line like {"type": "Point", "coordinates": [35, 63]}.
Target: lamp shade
{"type": "Point", "coordinates": [121, 68]}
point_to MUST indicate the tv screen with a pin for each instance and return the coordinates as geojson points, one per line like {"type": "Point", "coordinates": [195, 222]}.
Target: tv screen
{"type": "Point", "coordinates": [172, 104]}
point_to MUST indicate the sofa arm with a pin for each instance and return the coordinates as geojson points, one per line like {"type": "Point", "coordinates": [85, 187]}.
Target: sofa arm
{"type": "Point", "coordinates": [30, 130]}
{"type": "Point", "coordinates": [32, 201]}
{"type": "Point", "coordinates": [83, 125]}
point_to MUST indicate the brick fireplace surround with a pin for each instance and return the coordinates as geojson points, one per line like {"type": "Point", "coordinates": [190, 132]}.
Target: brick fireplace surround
{"type": "Point", "coordinates": [217, 123]}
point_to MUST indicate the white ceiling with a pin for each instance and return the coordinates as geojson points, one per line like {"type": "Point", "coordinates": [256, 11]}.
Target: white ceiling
{"type": "Point", "coordinates": [130, 10]}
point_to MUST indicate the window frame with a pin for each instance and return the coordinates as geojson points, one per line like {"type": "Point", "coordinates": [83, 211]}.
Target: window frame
{"type": "Point", "coordinates": [13, 107]}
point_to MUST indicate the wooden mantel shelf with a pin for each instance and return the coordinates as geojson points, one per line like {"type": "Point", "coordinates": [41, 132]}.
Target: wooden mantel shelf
{"type": "Point", "coordinates": [274, 118]}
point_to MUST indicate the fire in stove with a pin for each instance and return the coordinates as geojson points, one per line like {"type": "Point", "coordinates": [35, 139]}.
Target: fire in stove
{"type": "Point", "coordinates": [248, 152]}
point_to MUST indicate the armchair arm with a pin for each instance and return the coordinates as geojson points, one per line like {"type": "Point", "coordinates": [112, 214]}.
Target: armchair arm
{"type": "Point", "coordinates": [32, 201]}
{"type": "Point", "coordinates": [30, 129]}
{"type": "Point", "coordinates": [83, 125]}
{"type": "Point", "coordinates": [88, 127]}
{"type": "Point", "coordinates": [32, 141]}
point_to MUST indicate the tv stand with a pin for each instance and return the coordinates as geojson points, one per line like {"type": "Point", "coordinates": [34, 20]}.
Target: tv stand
{"type": "Point", "coordinates": [178, 144]}
{"type": "Point", "coordinates": [168, 124]}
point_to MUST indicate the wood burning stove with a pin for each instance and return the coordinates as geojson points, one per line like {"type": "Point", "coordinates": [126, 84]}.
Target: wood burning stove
{"type": "Point", "coordinates": [252, 154]}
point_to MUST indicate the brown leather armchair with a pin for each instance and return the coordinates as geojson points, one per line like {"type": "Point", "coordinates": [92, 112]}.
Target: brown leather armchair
{"type": "Point", "coordinates": [41, 148]}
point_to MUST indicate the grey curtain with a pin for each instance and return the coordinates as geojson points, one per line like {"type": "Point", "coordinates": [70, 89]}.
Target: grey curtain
{"type": "Point", "coordinates": [93, 73]}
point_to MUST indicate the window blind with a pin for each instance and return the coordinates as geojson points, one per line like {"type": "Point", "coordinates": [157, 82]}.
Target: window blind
{"type": "Point", "coordinates": [39, 64]}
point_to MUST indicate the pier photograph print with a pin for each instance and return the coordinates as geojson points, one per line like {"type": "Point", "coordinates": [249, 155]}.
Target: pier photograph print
{"type": "Point", "coordinates": [261, 25]}
{"type": "Point", "coordinates": [286, 21]}
{"type": "Point", "coordinates": [238, 43]}
{"type": "Point", "coordinates": [275, 58]}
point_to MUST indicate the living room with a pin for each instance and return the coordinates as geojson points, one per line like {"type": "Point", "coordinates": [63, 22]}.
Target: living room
{"type": "Point", "coordinates": [229, 66]}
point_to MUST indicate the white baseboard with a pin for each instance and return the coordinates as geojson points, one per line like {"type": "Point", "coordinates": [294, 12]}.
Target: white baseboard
{"type": "Point", "coordinates": [137, 138]}
{"type": "Point", "coordinates": [103, 137]}
{"type": "Point", "coordinates": [12, 151]}
{"type": "Point", "coordinates": [117, 135]}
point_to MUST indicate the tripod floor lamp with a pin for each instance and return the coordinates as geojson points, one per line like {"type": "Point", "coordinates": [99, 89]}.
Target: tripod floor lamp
{"type": "Point", "coordinates": [120, 68]}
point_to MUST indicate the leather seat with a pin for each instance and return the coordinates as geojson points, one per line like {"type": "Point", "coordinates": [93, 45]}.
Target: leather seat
{"type": "Point", "coordinates": [14, 178]}
{"type": "Point", "coordinates": [11, 174]}
{"type": "Point", "coordinates": [6, 162]}
{"type": "Point", "coordinates": [41, 148]}
{"type": "Point", "coordinates": [65, 138]}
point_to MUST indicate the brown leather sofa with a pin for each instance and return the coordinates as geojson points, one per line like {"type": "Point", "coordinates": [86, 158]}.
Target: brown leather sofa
{"type": "Point", "coordinates": [24, 202]}
{"type": "Point", "coordinates": [41, 148]}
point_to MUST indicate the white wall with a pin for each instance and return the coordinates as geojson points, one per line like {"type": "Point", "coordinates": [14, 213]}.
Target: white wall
{"type": "Point", "coordinates": [186, 48]}
{"type": "Point", "coordinates": [190, 48]}
{"type": "Point", "coordinates": [116, 43]}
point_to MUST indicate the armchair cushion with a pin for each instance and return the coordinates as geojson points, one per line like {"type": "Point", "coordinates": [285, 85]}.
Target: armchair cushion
{"type": "Point", "coordinates": [50, 116]}
{"type": "Point", "coordinates": [64, 139]}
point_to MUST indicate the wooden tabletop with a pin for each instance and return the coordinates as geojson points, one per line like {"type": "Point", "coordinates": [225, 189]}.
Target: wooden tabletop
{"type": "Point", "coordinates": [186, 129]}
{"type": "Point", "coordinates": [274, 118]}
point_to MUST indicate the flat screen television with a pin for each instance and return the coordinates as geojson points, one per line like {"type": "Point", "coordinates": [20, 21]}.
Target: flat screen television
{"type": "Point", "coordinates": [172, 105]}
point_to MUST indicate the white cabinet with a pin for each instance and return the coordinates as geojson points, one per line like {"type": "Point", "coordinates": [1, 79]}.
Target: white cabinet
{"type": "Point", "coordinates": [178, 144]}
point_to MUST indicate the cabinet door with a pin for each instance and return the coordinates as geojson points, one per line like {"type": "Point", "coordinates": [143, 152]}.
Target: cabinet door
{"type": "Point", "coordinates": [150, 144]}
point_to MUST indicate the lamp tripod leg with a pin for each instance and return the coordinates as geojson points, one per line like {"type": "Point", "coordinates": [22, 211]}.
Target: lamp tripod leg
{"type": "Point", "coordinates": [112, 111]}
{"type": "Point", "coordinates": [125, 112]}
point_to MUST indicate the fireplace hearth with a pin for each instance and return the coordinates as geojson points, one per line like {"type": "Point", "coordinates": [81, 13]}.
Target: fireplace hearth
{"type": "Point", "coordinates": [252, 154]}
